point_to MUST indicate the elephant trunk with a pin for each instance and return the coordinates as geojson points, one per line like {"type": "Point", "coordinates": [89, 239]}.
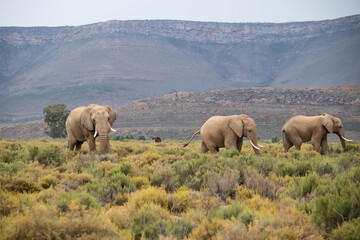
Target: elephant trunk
{"type": "Point", "coordinates": [104, 142]}
{"type": "Point", "coordinates": [103, 128]}
{"type": "Point", "coordinates": [342, 140]}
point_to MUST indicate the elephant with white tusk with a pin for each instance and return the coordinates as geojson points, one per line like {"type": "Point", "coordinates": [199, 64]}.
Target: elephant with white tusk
{"type": "Point", "coordinates": [86, 123]}
{"type": "Point", "coordinates": [228, 132]}
{"type": "Point", "coordinates": [301, 129]}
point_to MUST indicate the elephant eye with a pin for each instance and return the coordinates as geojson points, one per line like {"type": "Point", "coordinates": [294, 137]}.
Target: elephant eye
{"type": "Point", "coordinates": [249, 130]}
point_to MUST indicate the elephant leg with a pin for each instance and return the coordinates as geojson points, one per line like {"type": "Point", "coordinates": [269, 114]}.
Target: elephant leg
{"type": "Point", "coordinates": [212, 148]}
{"type": "Point", "coordinates": [91, 142]}
{"type": "Point", "coordinates": [324, 146]}
{"type": "Point", "coordinates": [316, 144]}
{"type": "Point", "coordinates": [78, 145]}
{"type": "Point", "coordinates": [287, 144]}
{"type": "Point", "coordinates": [239, 144]}
{"type": "Point", "coordinates": [204, 148]}
{"type": "Point", "coordinates": [296, 141]}
{"type": "Point", "coordinates": [71, 144]}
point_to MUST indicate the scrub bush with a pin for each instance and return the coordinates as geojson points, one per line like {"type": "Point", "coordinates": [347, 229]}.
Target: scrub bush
{"type": "Point", "coordinates": [47, 181]}
{"type": "Point", "coordinates": [348, 230]}
{"type": "Point", "coordinates": [51, 155]}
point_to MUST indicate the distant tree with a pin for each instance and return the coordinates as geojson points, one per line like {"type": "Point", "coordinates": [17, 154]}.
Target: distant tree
{"type": "Point", "coordinates": [275, 139]}
{"type": "Point", "coordinates": [129, 137]}
{"type": "Point", "coordinates": [55, 117]}
{"type": "Point", "coordinates": [142, 138]}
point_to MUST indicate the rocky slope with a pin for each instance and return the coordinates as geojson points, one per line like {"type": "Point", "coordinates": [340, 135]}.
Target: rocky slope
{"type": "Point", "coordinates": [178, 115]}
{"type": "Point", "coordinates": [117, 62]}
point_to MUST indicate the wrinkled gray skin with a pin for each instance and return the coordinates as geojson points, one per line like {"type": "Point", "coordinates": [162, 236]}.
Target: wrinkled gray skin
{"type": "Point", "coordinates": [228, 132]}
{"type": "Point", "coordinates": [315, 129]}
{"type": "Point", "coordinates": [82, 123]}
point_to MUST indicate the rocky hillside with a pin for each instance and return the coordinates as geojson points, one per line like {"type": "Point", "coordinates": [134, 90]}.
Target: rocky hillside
{"type": "Point", "coordinates": [178, 115]}
{"type": "Point", "coordinates": [117, 62]}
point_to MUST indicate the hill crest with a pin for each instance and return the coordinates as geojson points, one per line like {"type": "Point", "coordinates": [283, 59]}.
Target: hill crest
{"type": "Point", "coordinates": [118, 62]}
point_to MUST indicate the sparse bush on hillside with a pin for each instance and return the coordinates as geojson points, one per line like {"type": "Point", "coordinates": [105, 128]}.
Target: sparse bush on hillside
{"type": "Point", "coordinates": [51, 155]}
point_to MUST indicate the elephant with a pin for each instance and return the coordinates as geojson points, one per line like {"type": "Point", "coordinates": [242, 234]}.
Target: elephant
{"type": "Point", "coordinates": [86, 123]}
{"type": "Point", "coordinates": [156, 139]}
{"type": "Point", "coordinates": [299, 129]}
{"type": "Point", "coordinates": [228, 132]}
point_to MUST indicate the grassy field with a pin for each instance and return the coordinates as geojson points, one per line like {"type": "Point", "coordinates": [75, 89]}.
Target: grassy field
{"type": "Point", "coordinates": [144, 190]}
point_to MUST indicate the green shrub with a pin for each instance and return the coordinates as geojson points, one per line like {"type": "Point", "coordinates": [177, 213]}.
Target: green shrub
{"type": "Point", "coordinates": [348, 230]}
{"type": "Point", "coordinates": [51, 155]}
{"type": "Point", "coordinates": [286, 168]}
{"type": "Point", "coordinates": [140, 182]}
{"type": "Point", "coordinates": [149, 223]}
{"type": "Point", "coordinates": [33, 152]}
{"type": "Point", "coordinates": [174, 151]}
{"type": "Point", "coordinates": [275, 139]}
{"type": "Point", "coordinates": [303, 167]}
{"type": "Point", "coordinates": [181, 228]}
{"type": "Point", "coordinates": [47, 181]}
{"type": "Point", "coordinates": [246, 217]}
{"type": "Point", "coordinates": [265, 165]}
{"type": "Point", "coordinates": [229, 153]}
{"type": "Point", "coordinates": [117, 182]}
{"type": "Point", "coordinates": [148, 196]}
{"type": "Point", "coordinates": [86, 200]}
{"type": "Point", "coordinates": [226, 212]}
{"type": "Point", "coordinates": [180, 201]}
{"type": "Point", "coordinates": [22, 185]}
{"type": "Point", "coordinates": [11, 169]}
{"type": "Point", "coordinates": [7, 156]}
{"type": "Point", "coordinates": [126, 168]}
{"type": "Point", "coordinates": [164, 177]}
{"type": "Point", "coordinates": [340, 203]}
{"type": "Point", "coordinates": [303, 186]}
{"type": "Point", "coordinates": [324, 167]}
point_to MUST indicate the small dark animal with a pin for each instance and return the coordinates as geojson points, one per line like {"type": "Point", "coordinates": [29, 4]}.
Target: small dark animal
{"type": "Point", "coordinates": [156, 139]}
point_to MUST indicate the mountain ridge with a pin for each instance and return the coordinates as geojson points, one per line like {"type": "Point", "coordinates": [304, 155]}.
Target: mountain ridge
{"type": "Point", "coordinates": [117, 62]}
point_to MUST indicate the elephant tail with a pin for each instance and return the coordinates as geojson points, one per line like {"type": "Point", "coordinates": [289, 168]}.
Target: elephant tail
{"type": "Point", "coordinates": [195, 133]}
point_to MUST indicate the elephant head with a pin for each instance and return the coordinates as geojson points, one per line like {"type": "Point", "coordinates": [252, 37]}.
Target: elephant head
{"type": "Point", "coordinates": [334, 125]}
{"type": "Point", "coordinates": [99, 119]}
{"type": "Point", "coordinates": [243, 126]}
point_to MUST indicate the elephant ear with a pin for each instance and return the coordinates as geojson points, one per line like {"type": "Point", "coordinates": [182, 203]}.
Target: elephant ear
{"type": "Point", "coordinates": [85, 119]}
{"type": "Point", "coordinates": [237, 125]}
{"type": "Point", "coordinates": [112, 115]}
{"type": "Point", "coordinates": [327, 122]}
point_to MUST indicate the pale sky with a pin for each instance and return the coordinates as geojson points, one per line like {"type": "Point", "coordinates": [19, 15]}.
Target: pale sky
{"type": "Point", "coordinates": [81, 12]}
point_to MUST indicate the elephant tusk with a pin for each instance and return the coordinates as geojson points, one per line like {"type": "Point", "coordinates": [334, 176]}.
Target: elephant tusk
{"type": "Point", "coordinates": [254, 145]}
{"type": "Point", "coordinates": [345, 139]}
{"type": "Point", "coordinates": [112, 130]}
{"type": "Point", "coordinates": [95, 133]}
{"type": "Point", "coordinates": [260, 146]}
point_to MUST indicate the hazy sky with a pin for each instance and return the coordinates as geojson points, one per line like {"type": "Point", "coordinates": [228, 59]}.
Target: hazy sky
{"type": "Point", "coordinates": [80, 12]}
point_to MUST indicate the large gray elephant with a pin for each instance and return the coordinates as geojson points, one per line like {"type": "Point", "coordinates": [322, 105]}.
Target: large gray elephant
{"type": "Point", "coordinates": [228, 132]}
{"type": "Point", "coordinates": [86, 123]}
{"type": "Point", "coordinates": [301, 129]}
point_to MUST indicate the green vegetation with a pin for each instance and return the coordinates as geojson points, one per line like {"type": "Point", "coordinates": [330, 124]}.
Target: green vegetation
{"type": "Point", "coordinates": [55, 117]}
{"type": "Point", "coordinates": [144, 190]}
